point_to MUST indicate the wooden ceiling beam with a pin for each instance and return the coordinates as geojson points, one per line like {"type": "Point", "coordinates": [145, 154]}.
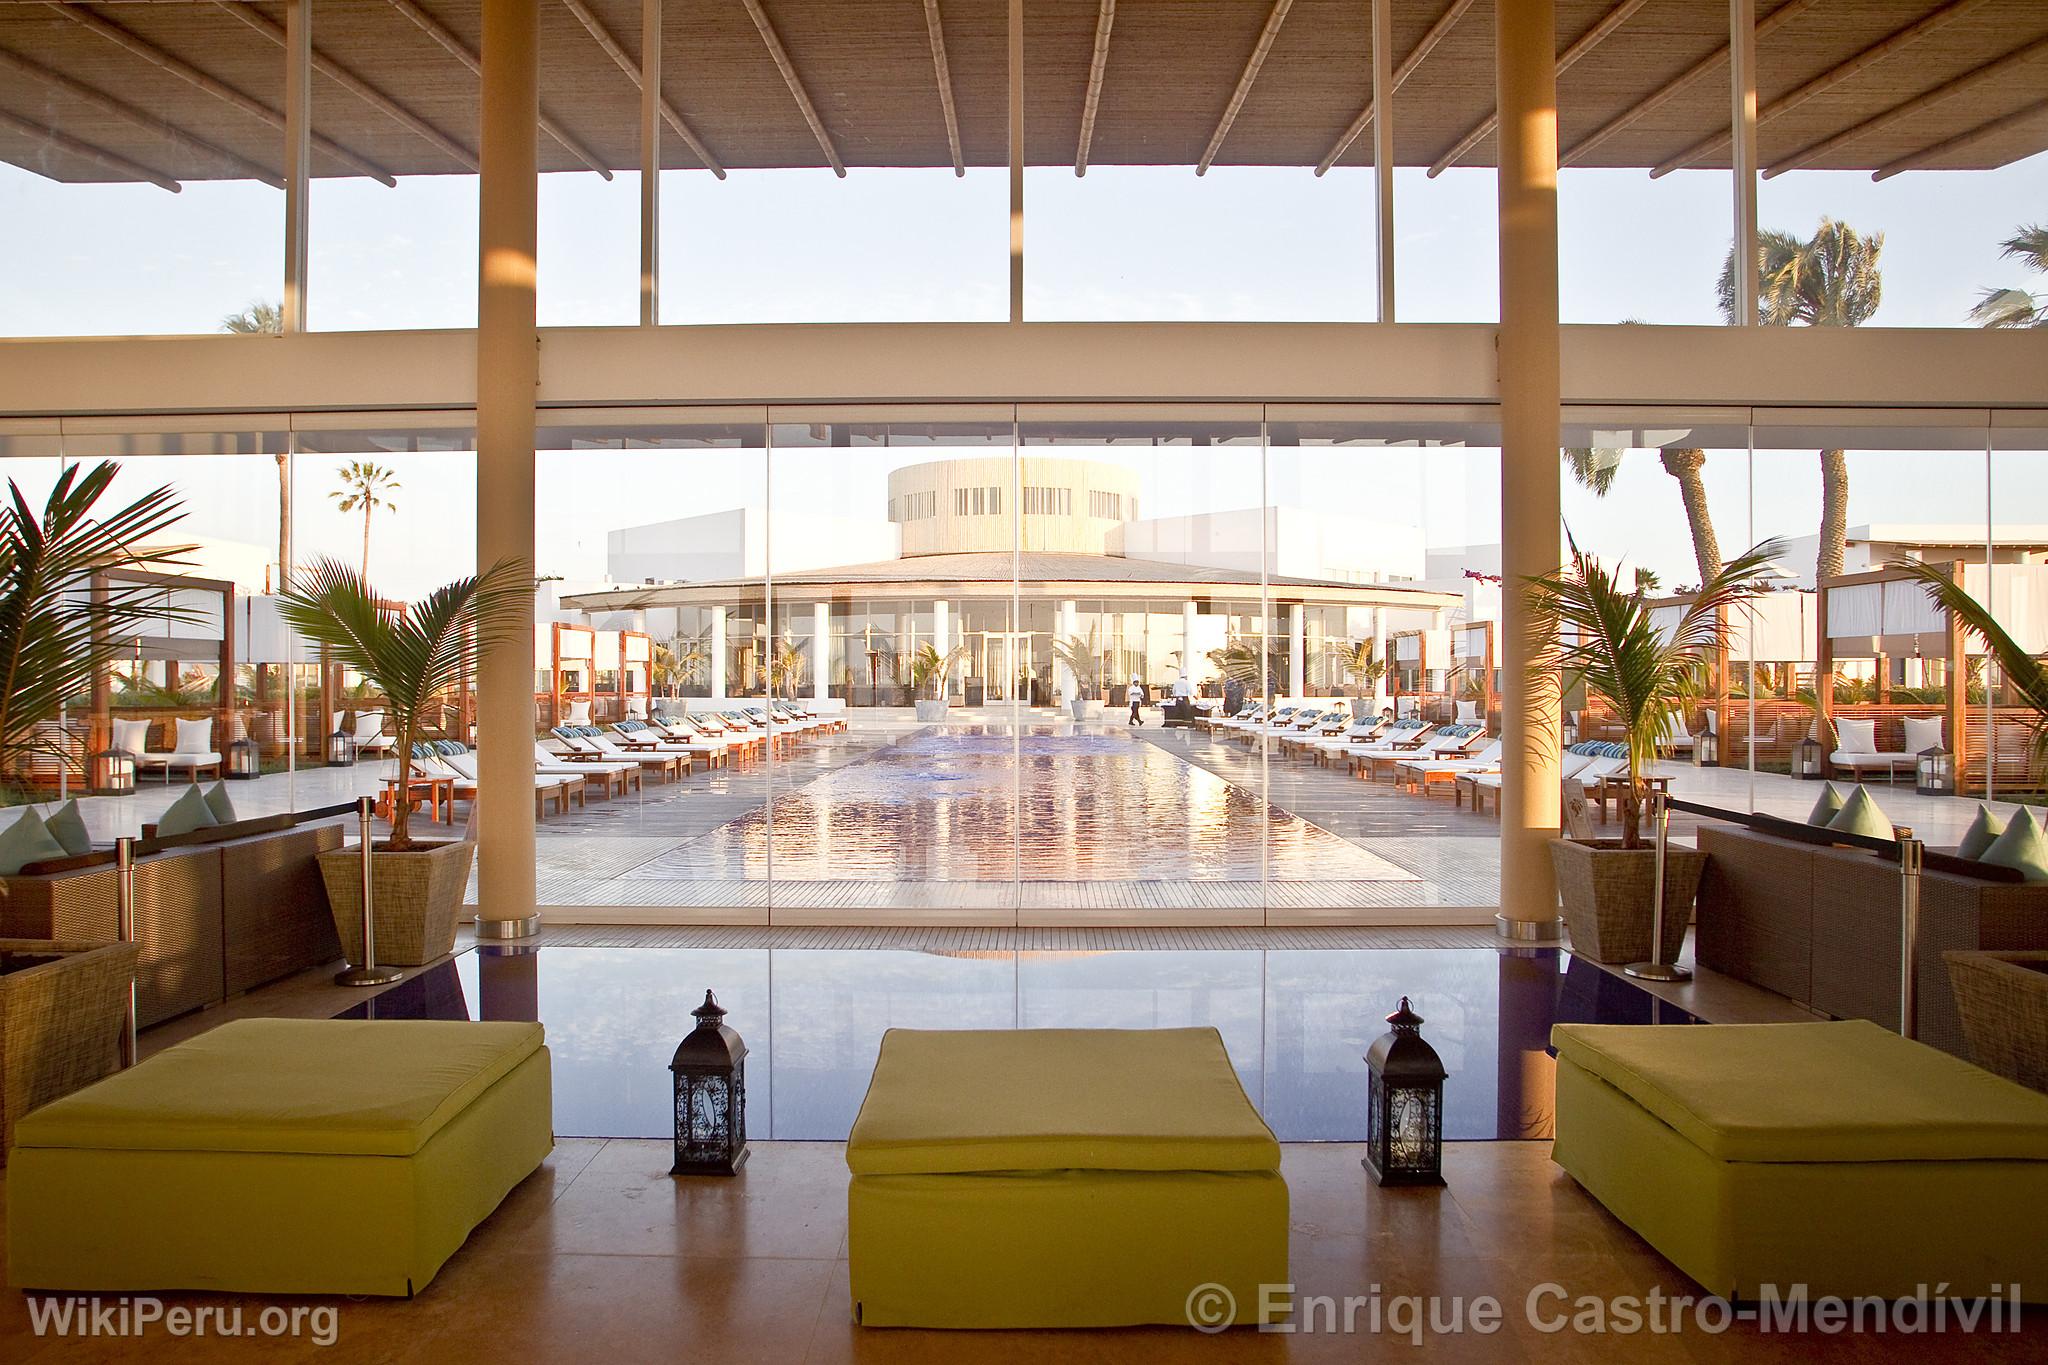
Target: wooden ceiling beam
{"type": "Point", "coordinates": [1991, 128]}
{"type": "Point", "coordinates": [943, 73]}
{"type": "Point", "coordinates": [220, 90]}
{"type": "Point", "coordinates": [1585, 43]}
{"type": "Point", "coordinates": [1274, 18]}
{"type": "Point", "coordinates": [460, 51]}
{"type": "Point", "coordinates": [1898, 113]}
{"type": "Point", "coordinates": [1672, 88]}
{"type": "Point", "coordinates": [357, 86]}
{"type": "Point", "coordinates": [1438, 31]}
{"type": "Point", "coordinates": [71, 146]}
{"type": "Point", "coordinates": [141, 118]}
{"type": "Point", "coordinates": [1825, 81]}
{"type": "Point", "coordinates": [780, 56]}
{"type": "Point", "coordinates": [669, 113]}
{"type": "Point", "coordinates": [1091, 101]}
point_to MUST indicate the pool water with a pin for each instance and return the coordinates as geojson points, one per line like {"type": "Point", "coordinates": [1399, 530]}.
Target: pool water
{"type": "Point", "coordinates": [1296, 1022]}
{"type": "Point", "coordinates": [1036, 803]}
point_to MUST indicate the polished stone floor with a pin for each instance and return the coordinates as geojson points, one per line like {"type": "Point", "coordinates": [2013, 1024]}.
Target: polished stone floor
{"type": "Point", "coordinates": [601, 1256]}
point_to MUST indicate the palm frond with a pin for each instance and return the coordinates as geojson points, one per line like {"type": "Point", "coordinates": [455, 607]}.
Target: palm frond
{"type": "Point", "coordinates": [2009, 308]}
{"type": "Point", "coordinates": [1593, 468]}
{"type": "Point", "coordinates": [2026, 674]}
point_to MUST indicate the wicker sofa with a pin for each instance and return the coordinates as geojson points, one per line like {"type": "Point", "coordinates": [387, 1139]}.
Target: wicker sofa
{"type": "Point", "coordinates": [1819, 923]}
{"type": "Point", "coordinates": [217, 912]}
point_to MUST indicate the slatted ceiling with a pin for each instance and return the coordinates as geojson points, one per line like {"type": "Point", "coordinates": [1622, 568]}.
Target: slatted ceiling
{"type": "Point", "coordinates": [867, 67]}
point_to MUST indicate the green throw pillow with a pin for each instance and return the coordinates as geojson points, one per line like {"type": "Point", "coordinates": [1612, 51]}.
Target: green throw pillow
{"type": "Point", "coordinates": [67, 827]}
{"type": "Point", "coordinates": [1860, 815]}
{"type": "Point", "coordinates": [1827, 808]}
{"type": "Point", "coordinates": [2023, 847]}
{"type": "Point", "coordinates": [218, 802]}
{"type": "Point", "coordinates": [1982, 834]}
{"type": "Point", "coordinates": [187, 813]}
{"type": "Point", "coordinates": [27, 841]}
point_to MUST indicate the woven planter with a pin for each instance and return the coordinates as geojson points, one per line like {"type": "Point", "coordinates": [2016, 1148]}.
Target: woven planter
{"type": "Point", "coordinates": [2003, 998]}
{"type": "Point", "coordinates": [60, 1020]}
{"type": "Point", "coordinates": [418, 898]}
{"type": "Point", "coordinates": [1606, 891]}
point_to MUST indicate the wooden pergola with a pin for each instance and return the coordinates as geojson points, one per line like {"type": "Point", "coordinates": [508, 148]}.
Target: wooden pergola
{"type": "Point", "coordinates": [168, 91]}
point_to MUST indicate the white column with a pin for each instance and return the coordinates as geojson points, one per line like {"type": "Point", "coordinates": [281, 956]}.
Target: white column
{"type": "Point", "coordinates": [650, 162]}
{"type": "Point", "coordinates": [1297, 650]}
{"type": "Point", "coordinates": [1381, 697]}
{"type": "Point", "coordinates": [718, 652]}
{"type": "Point", "coordinates": [1064, 623]}
{"type": "Point", "coordinates": [942, 637]}
{"type": "Point", "coordinates": [821, 650]}
{"type": "Point", "coordinates": [1188, 655]}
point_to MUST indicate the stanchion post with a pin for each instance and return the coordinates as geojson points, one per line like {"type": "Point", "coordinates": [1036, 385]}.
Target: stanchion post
{"type": "Point", "coordinates": [1912, 853]}
{"type": "Point", "coordinates": [367, 972]}
{"type": "Point", "coordinates": [124, 918]}
{"type": "Point", "coordinates": [1657, 969]}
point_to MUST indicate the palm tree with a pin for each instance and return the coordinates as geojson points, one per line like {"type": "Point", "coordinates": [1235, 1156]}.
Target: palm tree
{"type": "Point", "coordinates": [1619, 655]}
{"type": "Point", "coordinates": [258, 318]}
{"type": "Point", "coordinates": [1358, 660]}
{"type": "Point", "coordinates": [1830, 280]}
{"type": "Point", "coordinates": [930, 669]}
{"type": "Point", "coordinates": [366, 487]}
{"type": "Point", "coordinates": [1081, 656]}
{"type": "Point", "coordinates": [59, 630]}
{"type": "Point", "coordinates": [2027, 675]}
{"type": "Point", "coordinates": [1595, 469]}
{"type": "Point", "coordinates": [2017, 307]}
{"type": "Point", "coordinates": [786, 664]}
{"type": "Point", "coordinates": [413, 655]}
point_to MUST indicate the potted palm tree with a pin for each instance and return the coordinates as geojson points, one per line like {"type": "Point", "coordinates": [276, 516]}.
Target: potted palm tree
{"type": "Point", "coordinates": [1081, 656]}
{"type": "Point", "coordinates": [1603, 637]}
{"type": "Point", "coordinates": [412, 656]}
{"type": "Point", "coordinates": [929, 670]}
{"type": "Point", "coordinates": [1359, 661]}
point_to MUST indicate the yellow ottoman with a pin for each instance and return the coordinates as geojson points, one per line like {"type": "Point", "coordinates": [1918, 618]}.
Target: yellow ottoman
{"type": "Point", "coordinates": [1060, 1178]}
{"type": "Point", "coordinates": [1836, 1156]}
{"type": "Point", "coordinates": [280, 1156]}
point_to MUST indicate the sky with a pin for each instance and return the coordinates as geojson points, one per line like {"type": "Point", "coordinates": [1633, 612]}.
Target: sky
{"type": "Point", "coordinates": [1123, 243]}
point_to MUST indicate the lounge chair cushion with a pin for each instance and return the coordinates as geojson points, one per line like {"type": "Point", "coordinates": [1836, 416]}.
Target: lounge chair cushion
{"type": "Point", "coordinates": [1922, 733]}
{"type": "Point", "coordinates": [1091, 1099]}
{"type": "Point", "coordinates": [27, 840]}
{"type": "Point", "coordinates": [1860, 815]}
{"type": "Point", "coordinates": [187, 813]}
{"type": "Point", "coordinates": [194, 736]}
{"type": "Point", "coordinates": [1857, 736]}
{"type": "Point", "coordinates": [67, 827]}
{"type": "Point", "coordinates": [2023, 847]}
{"type": "Point", "coordinates": [222, 806]}
{"type": "Point", "coordinates": [132, 735]}
{"type": "Point", "coordinates": [1982, 833]}
{"type": "Point", "coordinates": [1827, 807]}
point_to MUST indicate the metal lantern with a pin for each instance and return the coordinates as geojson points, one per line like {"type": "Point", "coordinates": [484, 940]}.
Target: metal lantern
{"type": "Point", "coordinates": [1404, 1115]}
{"type": "Point", "coordinates": [1706, 748]}
{"type": "Point", "coordinates": [1934, 772]}
{"type": "Point", "coordinates": [711, 1096]}
{"type": "Point", "coordinates": [341, 748]}
{"type": "Point", "coordinates": [1806, 759]}
{"type": "Point", "coordinates": [245, 760]}
{"type": "Point", "coordinates": [111, 772]}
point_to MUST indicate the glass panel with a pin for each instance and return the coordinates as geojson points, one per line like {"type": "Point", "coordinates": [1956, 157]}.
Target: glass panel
{"type": "Point", "coordinates": [893, 559]}
{"type": "Point", "coordinates": [651, 541]}
{"type": "Point", "coordinates": [589, 258]}
{"type": "Point", "coordinates": [1383, 562]}
{"type": "Point", "coordinates": [112, 222]}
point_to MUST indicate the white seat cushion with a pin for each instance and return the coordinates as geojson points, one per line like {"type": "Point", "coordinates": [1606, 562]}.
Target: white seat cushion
{"type": "Point", "coordinates": [194, 736]}
{"type": "Point", "coordinates": [1923, 733]}
{"type": "Point", "coordinates": [132, 735]}
{"type": "Point", "coordinates": [1857, 736]}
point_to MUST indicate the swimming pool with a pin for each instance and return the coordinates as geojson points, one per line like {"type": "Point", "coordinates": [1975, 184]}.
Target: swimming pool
{"type": "Point", "coordinates": [1296, 1022]}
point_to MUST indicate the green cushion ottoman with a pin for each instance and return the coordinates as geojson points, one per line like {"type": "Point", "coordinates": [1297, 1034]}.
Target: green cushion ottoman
{"type": "Point", "coordinates": [1837, 1156]}
{"type": "Point", "coordinates": [280, 1156]}
{"type": "Point", "coordinates": [1060, 1178]}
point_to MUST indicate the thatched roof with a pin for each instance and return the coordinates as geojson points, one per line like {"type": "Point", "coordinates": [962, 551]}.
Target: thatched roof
{"type": "Point", "coordinates": [180, 91]}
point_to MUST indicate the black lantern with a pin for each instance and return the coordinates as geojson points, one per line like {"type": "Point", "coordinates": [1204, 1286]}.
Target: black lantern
{"type": "Point", "coordinates": [1404, 1115]}
{"type": "Point", "coordinates": [711, 1096]}
{"type": "Point", "coordinates": [1706, 748]}
{"type": "Point", "coordinates": [245, 760]}
{"type": "Point", "coordinates": [111, 772]}
{"type": "Point", "coordinates": [1934, 772]}
{"type": "Point", "coordinates": [341, 748]}
{"type": "Point", "coordinates": [1806, 759]}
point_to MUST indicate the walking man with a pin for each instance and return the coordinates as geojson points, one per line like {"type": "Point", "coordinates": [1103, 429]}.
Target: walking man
{"type": "Point", "coordinates": [1137, 700]}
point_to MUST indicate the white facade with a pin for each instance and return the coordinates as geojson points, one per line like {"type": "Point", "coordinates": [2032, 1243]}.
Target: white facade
{"type": "Point", "coordinates": [735, 543]}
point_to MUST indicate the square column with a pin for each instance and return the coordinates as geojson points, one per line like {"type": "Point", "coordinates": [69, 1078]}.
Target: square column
{"type": "Point", "coordinates": [1297, 650]}
{"type": "Point", "coordinates": [718, 652]}
{"type": "Point", "coordinates": [1065, 616]}
{"type": "Point", "coordinates": [821, 664]}
{"type": "Point", "coordinates": [1381, 698]}
{"type": "Point", "coordinates": [1187, 641]}
{"type": "Point", "coordinates": [942, 639]}
{"type": "Point", "coordinates": [1525, 55]}
{"type": "Point", "coordinates": [507, 377]}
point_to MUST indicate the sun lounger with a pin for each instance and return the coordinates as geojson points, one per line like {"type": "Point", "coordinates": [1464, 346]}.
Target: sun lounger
{"type": "Point", "coordinates": [590, 740]}
{"type": "Point", "coordinates": [546, 786]}
{"type": "Point", "coordinates": [1423, 773]}
{"type": "Point", "coordinates": [665, 741]}
{"type": "Point", "coordinates": [1452, 741]}
{"type": "Point", "coordinates": [615, 778]}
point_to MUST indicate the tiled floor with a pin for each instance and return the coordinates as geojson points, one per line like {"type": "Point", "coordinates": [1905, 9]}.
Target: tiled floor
{"type": "Point", "coordinates": [601, 1256]}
